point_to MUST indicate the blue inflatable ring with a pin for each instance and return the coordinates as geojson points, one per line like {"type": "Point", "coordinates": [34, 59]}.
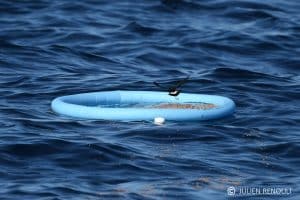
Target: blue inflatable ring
{"type": "Point", "coordinates": [110, 106]}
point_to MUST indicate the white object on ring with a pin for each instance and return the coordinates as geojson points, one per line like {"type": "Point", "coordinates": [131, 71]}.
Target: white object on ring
{"type": "Point", "coordinates": [159, 120]}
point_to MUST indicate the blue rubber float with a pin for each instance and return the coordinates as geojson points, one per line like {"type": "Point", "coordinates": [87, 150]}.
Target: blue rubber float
{"type": "Point", "coordinates": [143, 105]}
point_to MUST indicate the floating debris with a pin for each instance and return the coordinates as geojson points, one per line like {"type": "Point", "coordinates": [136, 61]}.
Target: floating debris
{"type": "Point", "coordinates": [201, 106]}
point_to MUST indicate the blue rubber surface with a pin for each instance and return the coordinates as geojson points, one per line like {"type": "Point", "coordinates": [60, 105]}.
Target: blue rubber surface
{"type": "Point", "coordinates": [102, 105]}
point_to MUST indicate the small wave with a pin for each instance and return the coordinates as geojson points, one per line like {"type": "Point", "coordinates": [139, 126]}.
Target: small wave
{"type": "Point", "coordinates": [81, 38]}
{"type": "Point", "coordinates": [222, 73]}
{"type": "Point", "coordinates": [46, 148]}
{"type": "Point", "coordinates": [184, 5]}
{"type": "Point", "coordinates": [240, 14]}
{"type": "Point", "coordinates": [138, 28]}
{"type": "Point", "coordinates": [254, 5]}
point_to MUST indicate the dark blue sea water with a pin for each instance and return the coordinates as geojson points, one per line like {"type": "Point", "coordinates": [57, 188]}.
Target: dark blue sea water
{"type": "Point", "coordinates": [248, 50]}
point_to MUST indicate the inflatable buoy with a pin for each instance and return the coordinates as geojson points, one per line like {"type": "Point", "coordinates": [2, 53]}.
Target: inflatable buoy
{"type": "Point", "coordinates": [143, 105]}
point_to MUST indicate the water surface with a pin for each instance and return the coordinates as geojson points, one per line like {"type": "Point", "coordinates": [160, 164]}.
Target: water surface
{"type": "Point", "coordinates": [246, 50]}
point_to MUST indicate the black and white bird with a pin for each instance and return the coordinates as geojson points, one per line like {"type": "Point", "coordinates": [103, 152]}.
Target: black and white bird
{"type": "Point", "coordinates": [174, 90]}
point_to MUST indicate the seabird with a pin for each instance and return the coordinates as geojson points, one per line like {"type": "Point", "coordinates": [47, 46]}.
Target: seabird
{"type": "Point", "coordinates": [173, 91]}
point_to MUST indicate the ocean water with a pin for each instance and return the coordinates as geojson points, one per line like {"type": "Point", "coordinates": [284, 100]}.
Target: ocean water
{"type": "Point", "coordinates": [248, 50]}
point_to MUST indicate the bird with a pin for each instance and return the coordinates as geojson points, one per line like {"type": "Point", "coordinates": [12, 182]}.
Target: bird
{"type": "Point", "coordinates": [173, 90]}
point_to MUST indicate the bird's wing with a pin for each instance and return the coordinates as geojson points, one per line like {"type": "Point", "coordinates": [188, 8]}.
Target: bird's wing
{"type": "Point", "coordinates": [158, 85]}
{"type": "Point", "coordinates": [181, 82]}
